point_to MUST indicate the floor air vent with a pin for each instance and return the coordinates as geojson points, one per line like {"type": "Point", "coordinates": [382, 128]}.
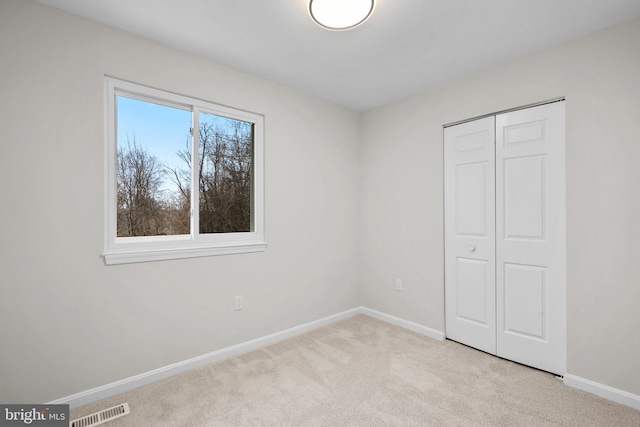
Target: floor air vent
{"type": "Point", "coordinates": [101, 417]}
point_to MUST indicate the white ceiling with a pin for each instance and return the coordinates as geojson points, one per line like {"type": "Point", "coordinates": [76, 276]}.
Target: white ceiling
{"type": "Point", "coordinates": [405, 47]}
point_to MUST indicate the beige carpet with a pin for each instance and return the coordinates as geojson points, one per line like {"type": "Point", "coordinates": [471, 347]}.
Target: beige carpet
{"type": "Point", "coordinates": [364, 372]}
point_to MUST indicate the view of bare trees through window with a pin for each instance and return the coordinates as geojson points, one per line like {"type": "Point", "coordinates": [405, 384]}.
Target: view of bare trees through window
{"type": "Point", "coordinates": [154, 171]}
{"type": "Point", "coordinates": [144, 209]}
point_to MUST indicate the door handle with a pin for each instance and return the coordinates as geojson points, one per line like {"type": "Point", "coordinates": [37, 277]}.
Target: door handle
{"type": "Point", "coordinates": [472, 248]}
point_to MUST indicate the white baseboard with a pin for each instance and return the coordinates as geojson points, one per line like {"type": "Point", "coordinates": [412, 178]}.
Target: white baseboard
{"type": "Point", "coordinates": [112, 389]}
{"type": "Point", "coordinates": [415, 327]}
{"type": "Point", "coordinates": [610, 393]}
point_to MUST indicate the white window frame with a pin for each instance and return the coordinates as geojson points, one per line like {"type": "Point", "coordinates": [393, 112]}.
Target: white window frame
{"type": "Point", "coordinates": [121, 250]}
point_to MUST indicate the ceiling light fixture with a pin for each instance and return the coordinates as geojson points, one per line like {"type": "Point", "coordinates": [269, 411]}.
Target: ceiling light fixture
{"type": "Point", "coordinates": [340, 14]}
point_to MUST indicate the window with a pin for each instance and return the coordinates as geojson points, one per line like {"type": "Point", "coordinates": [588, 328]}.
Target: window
{"type": "Point", "coordinates": [184, 177]}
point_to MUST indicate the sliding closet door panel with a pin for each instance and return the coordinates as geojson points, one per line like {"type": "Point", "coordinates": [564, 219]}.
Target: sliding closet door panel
{"type": "Point", "coordinates": [530, 237]}
{"type": "Point", "coordinates": [470, 234]}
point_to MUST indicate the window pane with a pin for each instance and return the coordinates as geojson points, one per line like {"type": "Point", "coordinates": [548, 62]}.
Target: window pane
{"type": "Point", "coordinates": [153, 169]}
{"type": "Point", "coordinates": [226, 172]}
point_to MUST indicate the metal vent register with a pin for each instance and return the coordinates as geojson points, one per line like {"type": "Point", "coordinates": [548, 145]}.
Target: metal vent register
{"type": "Point", "coordinates": [101, 417]}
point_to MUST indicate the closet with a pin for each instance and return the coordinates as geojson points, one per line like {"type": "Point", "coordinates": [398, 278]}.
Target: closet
{"type": "Point", "coordinates": [505, 227]}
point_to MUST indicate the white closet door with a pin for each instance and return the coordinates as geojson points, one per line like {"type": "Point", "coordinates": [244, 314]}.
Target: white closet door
{"type": "Point", "coordinates": [505, 228]}
{"type": "Point", "coordinates": [530, 237]}
{"type": "Point", "coordinates": [470, 233]}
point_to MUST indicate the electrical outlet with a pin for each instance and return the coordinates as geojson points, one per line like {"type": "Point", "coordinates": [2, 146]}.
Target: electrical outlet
{"type": "Point", "coordinates": [239, 302]}
{"type": "Point", "coordinates": [398, 284]}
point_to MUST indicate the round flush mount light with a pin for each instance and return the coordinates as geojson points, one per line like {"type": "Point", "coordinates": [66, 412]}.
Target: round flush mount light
{"type": "Point", "coordinates": [340, 14]}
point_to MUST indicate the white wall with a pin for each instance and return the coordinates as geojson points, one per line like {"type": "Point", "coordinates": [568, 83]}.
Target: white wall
{"type": "Point", "coordinates": [402, 207]}
{"type": "Point", "coordinates": [68, 323]}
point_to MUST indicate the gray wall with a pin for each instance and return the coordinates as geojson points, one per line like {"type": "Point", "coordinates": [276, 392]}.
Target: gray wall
{"type": "Point", "coordinates": [402, 207]}
{"type": "Point", "coordinates": [68, 322]}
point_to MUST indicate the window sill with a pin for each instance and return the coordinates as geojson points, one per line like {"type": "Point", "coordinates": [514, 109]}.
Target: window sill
{"type": "Point", "coordinates": [129, 256]}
